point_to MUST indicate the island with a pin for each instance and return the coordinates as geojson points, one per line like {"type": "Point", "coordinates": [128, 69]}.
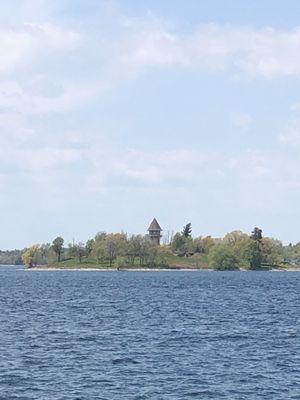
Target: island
{"type": "Point", "coordinates": [153, 251]}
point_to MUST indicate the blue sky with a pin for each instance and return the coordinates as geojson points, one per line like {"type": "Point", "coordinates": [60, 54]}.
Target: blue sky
{"type": "Point", "coordinates": [113, 112]}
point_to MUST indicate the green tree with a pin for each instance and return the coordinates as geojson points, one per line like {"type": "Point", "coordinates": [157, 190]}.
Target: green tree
{"type": "Point", "coordinates": [44, 252]}
{"type": "Point", "coordinates": [111, 248]}
{"type": "Point", "coordinates": [31, 256]}
{"type": "Point", "coordinates": [134, 247]}
{"type": "Point", "coordinates": [203, 244]}
{"type": "Point", "coordinates": [178, 242]}
{"type": "Point", "coordinates": [238, 242]}
{"type": "Point", "coordinates": [236, 239]}
{"type": "Point", "coordinates": [98, 251]}
{"type": "Point", "coordinates": [115, 245]}
{"type": "Point", "coordinates": [292, 254]}
{"type": "Point", "coordinates": [182, 245]}
{"type": "Point", "coordinates": [253, 254]}
{"type": "Point", "coordinates": [187, 230]}
{"type": "Point", "coordinates": [272, 251]}
{"type": "Point", "coordinates": [11, 257]}
{"type": "Point", "coordinates": [222, 258]}
{"type": "Point", "coordinates": [162, 256]}
{"type": "Point", "coordinates": [57, 247]}
{"type": "Point", "coordinates": [77, 250]}
{"type": "Point", "coordinates": [89, 247]}
{"type": "Point", "coordinates": [148, 251]}
{"type": "Point", "coordinates": [256, 234]}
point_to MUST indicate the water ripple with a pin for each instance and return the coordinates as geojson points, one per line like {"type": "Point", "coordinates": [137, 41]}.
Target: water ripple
{"type": "Point", "coordinates": [70, 335]}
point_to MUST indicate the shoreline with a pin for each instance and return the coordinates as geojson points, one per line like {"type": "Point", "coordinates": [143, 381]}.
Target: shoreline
{"type": "Point", "coordinates": [116, 270]}
{"type": "Point", "coordinates": [183, 269]}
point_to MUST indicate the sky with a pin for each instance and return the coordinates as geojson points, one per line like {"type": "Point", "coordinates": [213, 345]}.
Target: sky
{"type": "Point", "coordinates": [115, 112]}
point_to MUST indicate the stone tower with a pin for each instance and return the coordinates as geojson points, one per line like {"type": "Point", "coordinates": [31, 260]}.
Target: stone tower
{"type": "Point", "coordinates": [155, 232]}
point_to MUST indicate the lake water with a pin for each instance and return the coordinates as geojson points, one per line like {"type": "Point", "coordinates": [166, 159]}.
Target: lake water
{"type": "Point", "coordinates": [149, 335]}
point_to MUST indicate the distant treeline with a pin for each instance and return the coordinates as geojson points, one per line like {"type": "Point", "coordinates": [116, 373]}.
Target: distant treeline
{"type": "Point", "coordinates": [11, 257]}
{"type": "Point", "coordinates": [235, 250]}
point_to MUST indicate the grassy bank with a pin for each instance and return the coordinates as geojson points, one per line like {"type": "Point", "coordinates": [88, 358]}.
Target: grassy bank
{"type": "Point", "coordinates": [170, 261]}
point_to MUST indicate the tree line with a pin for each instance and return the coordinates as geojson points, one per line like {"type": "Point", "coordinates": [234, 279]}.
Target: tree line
{"type": "Point", "coordinates": [107, 250]}
{"type": "Point", "coordinates": [11, 257]}
{"type": "Point", "coordinates": [235, 250]}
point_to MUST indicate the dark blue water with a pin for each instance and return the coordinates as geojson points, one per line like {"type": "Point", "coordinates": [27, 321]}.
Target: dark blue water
{"type": "Point", "coordinates": [153, 335]}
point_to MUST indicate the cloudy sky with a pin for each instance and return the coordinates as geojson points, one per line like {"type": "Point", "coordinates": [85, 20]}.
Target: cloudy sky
{"type": "Point", "coordinates": [113, 112]}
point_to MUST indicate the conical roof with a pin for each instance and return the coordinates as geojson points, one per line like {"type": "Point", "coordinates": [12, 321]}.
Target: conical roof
{"type": "Point", "coordinates": [154, 226]}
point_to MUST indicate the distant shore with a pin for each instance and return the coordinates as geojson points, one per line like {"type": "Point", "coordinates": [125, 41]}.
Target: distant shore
{"type": "Point", "coordinates": [117, 270]}
{"type": "Point", "coordinates": [183, 269]}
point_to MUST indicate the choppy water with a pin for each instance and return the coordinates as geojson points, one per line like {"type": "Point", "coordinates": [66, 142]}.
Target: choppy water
{"type": "Point", "coordinates": [153, 335]}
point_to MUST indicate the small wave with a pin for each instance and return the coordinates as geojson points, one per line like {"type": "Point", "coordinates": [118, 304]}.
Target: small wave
{"type": "Point", "coordinates": [125, 360]}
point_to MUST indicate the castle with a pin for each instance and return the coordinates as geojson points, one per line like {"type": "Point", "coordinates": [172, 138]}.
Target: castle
{"type": "Point", "coordinates": [155, 232]}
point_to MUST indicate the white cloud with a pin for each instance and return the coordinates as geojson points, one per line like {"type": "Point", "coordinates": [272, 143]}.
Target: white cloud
{"type": "Point", "coordinates": [255, 52]}
{"type": "Point", "coordinates": [57, 57]}
{"type": "Point", "coordinates": [27, 43]}
{"type": "Point", "coordinates": [55, 68]}
{"type": "Point", "coordinates": [48, 68]}
{"type": "Point", "coordinates": [50, 72]}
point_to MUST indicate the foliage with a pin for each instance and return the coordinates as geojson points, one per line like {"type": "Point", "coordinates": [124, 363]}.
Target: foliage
{"type": "Point", "coordinates": [31, 256]}
{"type": "Point", "coordinates": [178, 242]}
{"type": "Point", "coordinates": [187, 230]}
{"type": "Point", "coordinates": [44, 253]}
{"type": "Point", "coordinates": [256, 234]}
{"type": "Point", "coordinates": [236, 240]}
{"type": "Point", "coordinates": [291, 254]}
{"type": "Point", "coordinates": [89, 247]}
{"type": "Point", "coordinates": [98, 249]}
{"type": "Point", "coordinates": [57, 247]}
{"type": "Point", "coordinates": [203, 244]}
{"type": "Point", "coordinates": [134, 248]}
{"type": "Point", "coordinates": [253, 254]}
{"type": "Point", "coordinates": [236, 249]}
{"type": "Point", "coordinates": [107, 247]}
{"type": "Point", "coordinates": [182, 245]}
{"type": "Point", "coordinates": [77, 250]}
{"type": "Point", "coordinates": [111, 247]}
{"type": "Point", "coordinates": [143, 250]}
{"type": "Point", "coordinates": [11, 257]}
{"type": "Point", "coordinates": [222, 258]}
{"type": "Point", "coordinates": [115, 245]}
{"type": "Point", "coordinates": [271, 251]}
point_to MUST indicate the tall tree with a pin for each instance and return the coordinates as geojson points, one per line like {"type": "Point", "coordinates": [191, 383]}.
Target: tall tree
{"type": "Point", "coordinates": [178, 243]}
{"type": "Point", "coordinates": [256, 234]}
{"type": "Point", "coordinates": [57, 247]}
{"type": "Point", "coordinates": [31, 256]}
{"type": "Point", "coordinates": [253, 254]}
{"type": "Point", "coordinates": [272, 251]}
{"type": "Point", "coordinates": [134, 246]}
{"type": "Point", "coordinates": [111, 248]}
{"type": "Point", "coordinates": [187, 230]}
{"type": "Point", "coordinates": [44, 250]}
{"type": "Point", "coordinates": [77, 250]}
{"type": "Point", "coordinates": [254, 250]}
{"type": "Point", "coordinates": [115, 245]}
{"type": "Point", "coordinates": [89, 246]}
